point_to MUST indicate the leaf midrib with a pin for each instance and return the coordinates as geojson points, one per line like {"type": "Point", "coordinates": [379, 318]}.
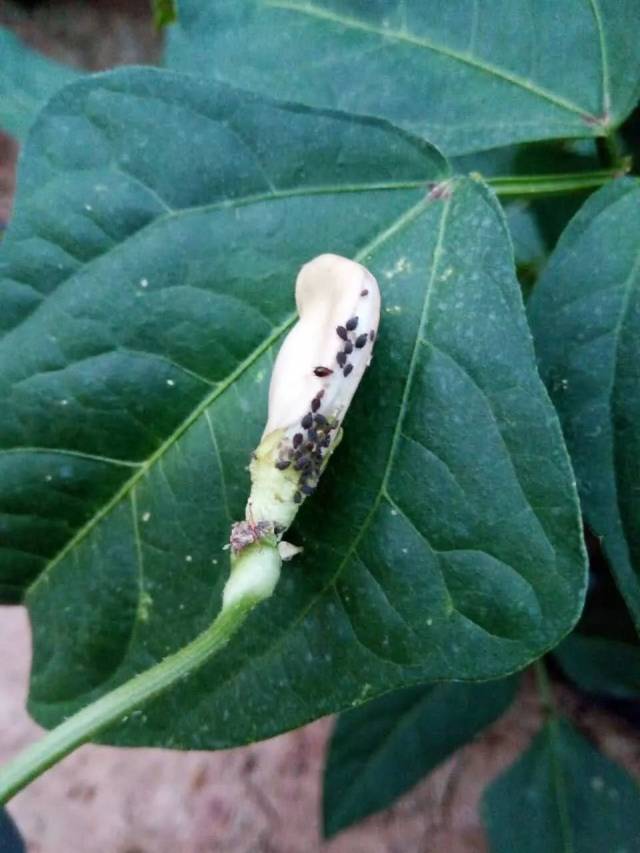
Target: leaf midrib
{"type": "Point", "coordinates": [604, 59]}
{"type": "Point", "coordinates": [558, 783]}
{"type": "Point", "coordinates": [76, 454]}
{"type": "Point", "coordinates": [428, 44]}
{"type": "Point", "coordinates": [407, 216]}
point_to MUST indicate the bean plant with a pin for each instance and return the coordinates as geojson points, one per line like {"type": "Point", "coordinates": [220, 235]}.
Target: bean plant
{"type": "Point", "coordinates": [475, 162]}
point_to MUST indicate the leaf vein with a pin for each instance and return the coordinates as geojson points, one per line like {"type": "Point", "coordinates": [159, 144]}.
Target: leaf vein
{"type": "Point", "coordinates": [420, 41]}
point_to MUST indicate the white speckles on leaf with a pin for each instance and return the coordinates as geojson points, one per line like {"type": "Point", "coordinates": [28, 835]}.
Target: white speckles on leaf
{"type": "Point", "coordinates": [446, 274]}
{"type": "Point", "coordinates": [144, 606]}
{"type": "Point", "coordinates": [402, 265]}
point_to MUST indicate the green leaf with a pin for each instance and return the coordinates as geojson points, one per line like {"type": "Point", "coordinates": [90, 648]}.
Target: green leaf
{"type": "Point", "coordinates": [27, 80]}
{"type": "Point", "coordinates": [382, 749]}
{"type": "Point", "coordinates": [535, 224]}
{"type": "Point", "coordinates": [563, 795]}
{"type": "Point", "coordinates": [147, 288]}
{"type": "Point", "coordinates": [465, 76]}
{"type": "Point", "coordinates": [598, 665]}
{"type": "Point", "coordinates": [10, 840]}
{"type": "Point", "coordinates": [585, 315]}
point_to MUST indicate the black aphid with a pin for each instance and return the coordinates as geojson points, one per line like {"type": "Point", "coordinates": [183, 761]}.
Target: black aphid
{"type": "Point", "coordinates": [321, 371]}
{"type": "Point", "coordinates": [352, 324]}
{"type": "Point", "coordinates": [361, 340]}
{"type": "Point", "coordinates": [341, 358]}
{"type": "Point", "coordinates": [347, 370]}
{"type": "Point", "coordinates": [303, 462]}
{"type": "Point", "coordinates": [320, 420]}
{"type": "Point", "coordinates": [364, 293]}
{"type": "Point", "coordinates": [297, 439]}
{"type": "Point", "coordinates": [315, 404]}
{"type": "Point", "coordinates": [282, 464]}
{"type": "Point", "coordinates": [372, 335]}
{"type": "Point", "coordinates": [342, 332]}
{"type": "Point", "coordinates": [307, 421]}
{"type": "Point", "coordinates": [297, 498]}
{"type": "Point", "coordinates": [348, 347]}
{"type": "Point", "coordinates": [306, 489]}
{"type": "Point", "coordinates": [312, 435]}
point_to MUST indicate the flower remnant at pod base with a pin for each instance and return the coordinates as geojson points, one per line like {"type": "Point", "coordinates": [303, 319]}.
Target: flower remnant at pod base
{"type": "Point", "coordinates": [316, 374]}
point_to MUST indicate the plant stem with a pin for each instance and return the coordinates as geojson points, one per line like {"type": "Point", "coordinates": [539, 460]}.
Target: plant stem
{"type": "Point", "coordinates": [113, 706]}
{"type": "Point", "coordinates": [609, 150]}
{"type": "Point", "coordinates": [545, 185]}
{"type": "Point", "coordinates": [545, 690]}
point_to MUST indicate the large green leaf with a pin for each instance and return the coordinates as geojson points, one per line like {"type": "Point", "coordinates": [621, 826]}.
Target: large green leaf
{"type": "Point", "coordinates": [146, 288]}
{"type": "Point", "coordinates": [563, 795]}
{"type": "Point", "coordinates": [465, 75]}
{"type": "Point", "coordinates": [585, 315]}
{"type": "Point", "coordinates": [383, 748]}
{"type": "Point", "coordinates": [27, 80]}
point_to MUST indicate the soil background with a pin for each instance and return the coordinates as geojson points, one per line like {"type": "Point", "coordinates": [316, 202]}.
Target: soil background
{"type": "Point", "coordinates": [265, 798]}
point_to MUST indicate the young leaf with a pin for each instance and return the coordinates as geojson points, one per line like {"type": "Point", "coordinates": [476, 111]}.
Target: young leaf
{"type": "Point", "coordinates": [146, 288]}
{"type": "Point", "coordinates": [598, 665]}
{"type": "Point", "coordinates": [385, 747]}
{"type": "Point", "coordinates": [562, 795]}
{"type": "Point", "coordinates": [467, 77]}
{"type": "Point", "coordinates": [27, 80]}
{"type": "Point", "coordinates": [585, 315]}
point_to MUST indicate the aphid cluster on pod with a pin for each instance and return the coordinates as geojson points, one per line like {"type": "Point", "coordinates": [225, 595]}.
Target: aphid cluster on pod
{"type": "Point", "coordinates": [307, 449]}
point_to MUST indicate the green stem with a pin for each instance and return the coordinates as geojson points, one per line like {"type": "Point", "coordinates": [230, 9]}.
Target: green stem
{"type": "Point", "coordinates": [545, 690]}
{"type": "Point", "coordinates": [112, 707]}
{"type": "Point", "coordinates": [545, 185]}
{"type": "Point", "coordinates": [609, 150]}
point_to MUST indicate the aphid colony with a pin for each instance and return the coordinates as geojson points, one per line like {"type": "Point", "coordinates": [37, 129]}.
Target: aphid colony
{"type": "Point", "coordinates": [308, 447]}
{"type": "Point", "coordinates": [314, 378]}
